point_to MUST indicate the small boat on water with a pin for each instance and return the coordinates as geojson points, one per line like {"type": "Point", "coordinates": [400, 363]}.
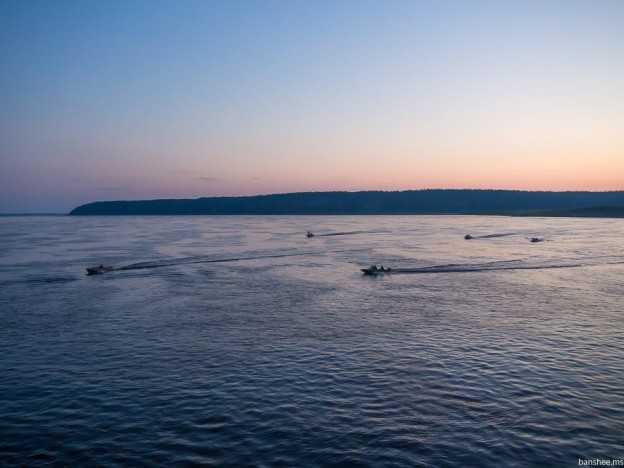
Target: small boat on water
{"type": "Point", "coordinates": [98, 269]}
{"type": "Point", "coordinates": [310, 234]}
{"type": "Point", "coordinates": [374, 271]}
{"type": "Point", "coordinates": [535, 239]}
{"type": "Point", "coordinates": [467, 237]}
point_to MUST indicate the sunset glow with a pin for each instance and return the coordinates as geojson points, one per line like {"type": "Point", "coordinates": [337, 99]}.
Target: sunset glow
{"type": "Point", "coordinates": [154, 99]}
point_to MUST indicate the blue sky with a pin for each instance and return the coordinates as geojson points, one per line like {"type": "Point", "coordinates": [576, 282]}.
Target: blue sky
{"type": "Point", "coordinates": [106, 100]}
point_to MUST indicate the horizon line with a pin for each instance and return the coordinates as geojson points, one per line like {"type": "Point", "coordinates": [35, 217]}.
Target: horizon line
{"type": "Point", "coordinates": [39, 213]}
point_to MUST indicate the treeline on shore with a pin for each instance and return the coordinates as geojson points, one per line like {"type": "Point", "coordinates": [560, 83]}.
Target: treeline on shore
{"type": "Point", "coordinates": [493, 202]}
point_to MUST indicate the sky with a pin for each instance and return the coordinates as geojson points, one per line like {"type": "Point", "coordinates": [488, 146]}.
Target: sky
{"type": "Point", "coordinates": [144, 99]}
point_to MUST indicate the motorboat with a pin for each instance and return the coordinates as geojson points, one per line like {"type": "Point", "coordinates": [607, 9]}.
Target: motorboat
{"type": "Point", "coordinates": [374, 271]}
{"type": "Point", "coordinates": [535, 239]}
{"type": "Point", "coordinates": [98, 269]}
{"type": "Point", "coordinates": [467, 237]}
{"type": "Point", "coordinates": [310, 234]}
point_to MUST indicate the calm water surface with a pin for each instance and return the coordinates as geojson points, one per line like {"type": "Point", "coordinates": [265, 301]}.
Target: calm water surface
{"type": "Point", "coordinates": [237, 341]}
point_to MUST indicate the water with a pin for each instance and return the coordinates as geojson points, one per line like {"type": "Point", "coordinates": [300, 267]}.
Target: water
{"type": "Point", "coordinates": [238, 341]}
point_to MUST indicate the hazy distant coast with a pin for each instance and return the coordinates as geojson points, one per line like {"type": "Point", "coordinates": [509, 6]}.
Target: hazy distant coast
{"type": "Point", "coordinates": [495, 202]}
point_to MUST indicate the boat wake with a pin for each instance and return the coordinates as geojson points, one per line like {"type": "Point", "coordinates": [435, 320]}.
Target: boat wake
{"type": "Point", "coordinates": [504, 265]}
{"type": "Point", "coordinates": [491, 236]}
{"type": "Point", "coordinates": [348, 233]}
{"type": "Point", "coordinates": [478, 269]}
{"type": "Point", "coordinates": [202, 259]}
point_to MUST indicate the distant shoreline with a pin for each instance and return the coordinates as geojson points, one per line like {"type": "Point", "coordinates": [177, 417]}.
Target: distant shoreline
{"type": "Point", "coordinates": [598, 212]}
{"type": "Point", "coordinates": [411, 202]}
{"type": "Point", "coordinates": [611, 214]}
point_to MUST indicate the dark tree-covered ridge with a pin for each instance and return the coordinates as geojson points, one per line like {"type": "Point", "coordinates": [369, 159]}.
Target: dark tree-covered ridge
{"type": "Point", "coordinates": [372, 202]}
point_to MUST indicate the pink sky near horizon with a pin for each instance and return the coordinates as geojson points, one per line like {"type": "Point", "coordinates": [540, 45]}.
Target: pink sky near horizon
{"type": "Point", "coordinates": [118, 101]}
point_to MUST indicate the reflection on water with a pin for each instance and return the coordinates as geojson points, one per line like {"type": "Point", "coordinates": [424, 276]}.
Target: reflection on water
{"type": "Point", "coordinates": [240, 341]}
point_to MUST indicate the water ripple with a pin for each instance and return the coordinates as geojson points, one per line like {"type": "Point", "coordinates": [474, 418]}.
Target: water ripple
{"type": "Point", "coordinates": [255, 347]}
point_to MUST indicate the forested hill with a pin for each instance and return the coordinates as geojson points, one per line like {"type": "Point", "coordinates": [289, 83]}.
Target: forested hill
{"type": "Point", "coordinates": [375, 202]}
